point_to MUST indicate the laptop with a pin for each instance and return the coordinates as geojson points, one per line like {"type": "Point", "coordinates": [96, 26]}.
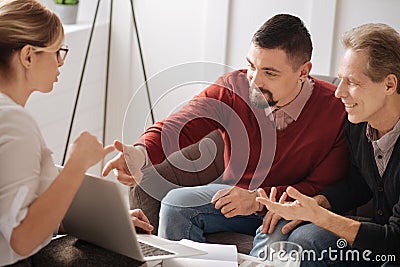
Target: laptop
{"type": "Point", "coordinates": [99, 214]}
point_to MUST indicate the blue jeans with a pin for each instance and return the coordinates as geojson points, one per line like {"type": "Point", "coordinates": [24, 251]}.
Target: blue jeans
{"type": "Point", "coordinates": [261, 240]}
{"type": "Point", "coordinates": [323, 248]}
{"type": "Point", "coordinates": [188, 213]}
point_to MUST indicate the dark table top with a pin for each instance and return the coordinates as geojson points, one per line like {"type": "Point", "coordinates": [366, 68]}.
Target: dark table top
{"type": "Point", "coordinates": [70, 251]}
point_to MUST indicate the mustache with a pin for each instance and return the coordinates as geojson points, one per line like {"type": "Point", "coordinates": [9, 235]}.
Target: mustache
{"type": "Point", "coordinates": [261, 90]}
{"type": "Point", "coordinates": [254, 91]}
{"type": "Point", "coordinates": [264, 90]}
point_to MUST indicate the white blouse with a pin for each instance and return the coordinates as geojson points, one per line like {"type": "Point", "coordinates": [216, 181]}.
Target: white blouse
{"type": "Point", "coordinates": [26, 171]}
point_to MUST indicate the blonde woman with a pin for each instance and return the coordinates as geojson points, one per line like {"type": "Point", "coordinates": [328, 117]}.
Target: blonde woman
{"type": "Point", "coordinates": [33, 196]}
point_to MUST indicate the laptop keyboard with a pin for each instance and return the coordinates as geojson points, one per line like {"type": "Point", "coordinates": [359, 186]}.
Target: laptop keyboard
{"type": "Point", "coordinates": [149, 250]}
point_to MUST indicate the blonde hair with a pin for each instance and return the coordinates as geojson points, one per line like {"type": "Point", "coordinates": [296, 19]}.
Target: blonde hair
{"type": "Point", "coordinates": [381, 43]}
{"type": "Point", "coordinates": [27, 22]}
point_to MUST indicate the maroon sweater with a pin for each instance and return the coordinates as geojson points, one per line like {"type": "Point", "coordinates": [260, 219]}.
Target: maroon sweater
{"type": "Point", "coordinates": [309, 154]}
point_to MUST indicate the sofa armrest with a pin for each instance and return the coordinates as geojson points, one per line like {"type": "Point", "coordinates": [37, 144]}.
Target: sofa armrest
{"type": "Point", "coordinates": [162, 176]}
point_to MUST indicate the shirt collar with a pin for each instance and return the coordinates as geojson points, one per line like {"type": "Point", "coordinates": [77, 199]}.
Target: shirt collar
{"type": "Point", "coordinates": [386, 141]}
{"type": "Point", "coordinates": [294, 108]}
{"type": "Point", "coordinates": [6, 99]}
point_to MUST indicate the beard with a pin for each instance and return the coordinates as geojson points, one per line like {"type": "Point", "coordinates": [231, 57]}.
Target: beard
{"type": "Point", "coordinates": [258, 100]}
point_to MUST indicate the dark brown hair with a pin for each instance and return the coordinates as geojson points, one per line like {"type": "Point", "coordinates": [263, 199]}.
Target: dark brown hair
{"type": "Point", "coordinates": [288, 33]}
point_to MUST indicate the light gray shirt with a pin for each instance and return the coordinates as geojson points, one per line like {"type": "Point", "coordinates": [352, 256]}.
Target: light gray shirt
{"type": "Point", "coordinates": [383, 147]}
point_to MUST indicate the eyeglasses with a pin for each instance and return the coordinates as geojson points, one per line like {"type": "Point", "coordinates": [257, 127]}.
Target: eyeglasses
{"type": "Point", "coordinates": [62, 53]}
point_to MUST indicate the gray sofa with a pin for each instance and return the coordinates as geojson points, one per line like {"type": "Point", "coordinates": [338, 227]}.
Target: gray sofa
{"type": "Point", "coordinates": [139, 198]}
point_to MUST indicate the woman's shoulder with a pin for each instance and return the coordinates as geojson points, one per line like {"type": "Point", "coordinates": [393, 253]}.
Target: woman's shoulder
{"type": "Point", "coordinates": [12, 112]}
{"type": "Point", "coordinates": [16, 122]}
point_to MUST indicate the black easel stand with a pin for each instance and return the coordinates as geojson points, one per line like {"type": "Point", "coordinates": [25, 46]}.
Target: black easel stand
{"type": "Point", "coordinates": [107, 73]}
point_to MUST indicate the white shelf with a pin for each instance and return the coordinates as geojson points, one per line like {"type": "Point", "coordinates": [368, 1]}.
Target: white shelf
{"type": "Point", "coordinates": [80, 26]}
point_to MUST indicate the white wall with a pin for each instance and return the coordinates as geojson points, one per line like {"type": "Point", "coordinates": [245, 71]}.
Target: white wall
{"type": "Point", "coordinates": [53, 111]}
{"type": "Point", "coordinates": [245, 19]}
{"type": "Point", "coordinates": [175, 32]}
{"type": "Point", "coordinates": [351, 13]}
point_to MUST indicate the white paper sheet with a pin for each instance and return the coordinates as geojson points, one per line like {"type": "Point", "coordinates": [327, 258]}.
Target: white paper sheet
{"type": "Point", "coordinates": [217, 255]}
{"type": "Point", "coordinates": [185, 262]}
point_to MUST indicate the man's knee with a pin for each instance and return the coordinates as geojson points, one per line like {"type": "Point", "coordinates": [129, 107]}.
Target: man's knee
{"type": "Point", "coordinates": [307, 236]}
{"type": "Point", "coordinates": [192, 196]}
{"type": "Point", "coordinates": [312, 238]}
{"type": "Point", "coordinates": [176, 197]}
{"type": "Point", "coordinates": [171, 211]}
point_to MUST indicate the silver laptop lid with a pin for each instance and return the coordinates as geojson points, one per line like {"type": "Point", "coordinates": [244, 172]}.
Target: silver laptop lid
{"type": "Point", "coordinates": [99, 214]}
